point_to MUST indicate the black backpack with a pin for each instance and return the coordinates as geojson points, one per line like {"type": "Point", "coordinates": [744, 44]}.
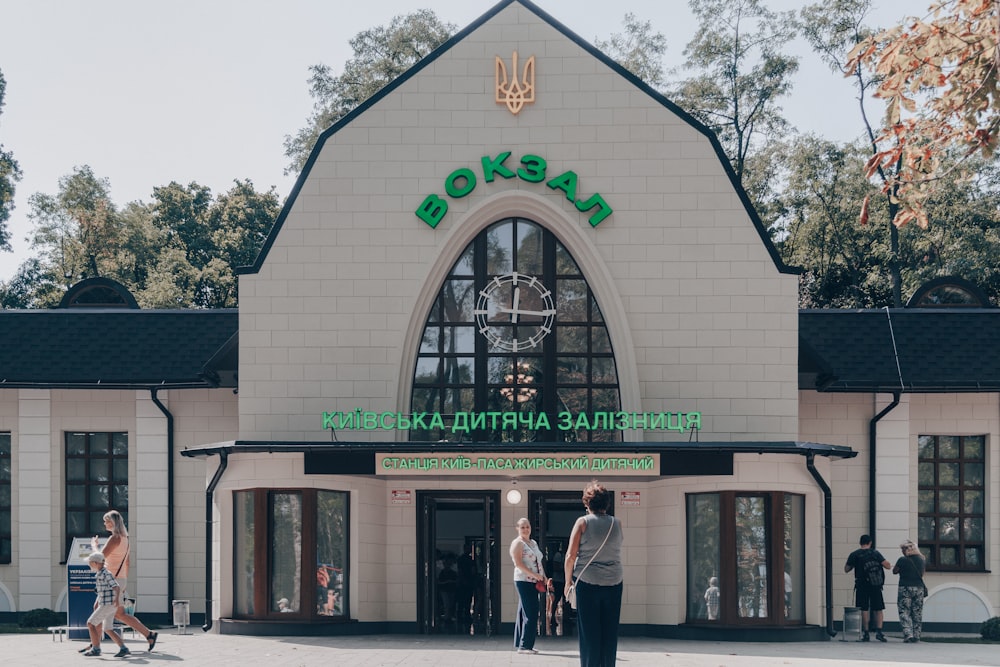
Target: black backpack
{"type": "Point", "coordinates": [872, 573]}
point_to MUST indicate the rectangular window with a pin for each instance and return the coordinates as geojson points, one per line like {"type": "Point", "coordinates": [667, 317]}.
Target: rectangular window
{"type": "Point", "coordinates": [5, 498]}
{"type": "Point", "coordinates": [96, 481]}
{"type": "Point", "coordinates": [746, 558]}
{"type": "Point", "coordinates": [952, 500]}
{"type": "Point", "coordinates": [306, 533]}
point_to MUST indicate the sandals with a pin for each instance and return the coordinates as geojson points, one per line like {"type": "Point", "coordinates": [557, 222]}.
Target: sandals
{"type": "Point", "coordinates": [151, 638]}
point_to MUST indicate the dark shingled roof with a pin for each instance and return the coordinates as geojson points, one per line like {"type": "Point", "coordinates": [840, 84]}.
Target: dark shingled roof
{"type": "Point", "coordinates": [117, 348]}
{"type": "Point", "coordinates": [937, 349]}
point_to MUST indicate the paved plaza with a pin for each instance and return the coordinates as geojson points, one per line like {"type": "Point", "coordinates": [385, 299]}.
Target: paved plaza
{"type": "Point", "coordinates": [197, 648]}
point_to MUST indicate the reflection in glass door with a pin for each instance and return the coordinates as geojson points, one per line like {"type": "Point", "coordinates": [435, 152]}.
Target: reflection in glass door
{"type": "Point", "coordinates": [456, 573]}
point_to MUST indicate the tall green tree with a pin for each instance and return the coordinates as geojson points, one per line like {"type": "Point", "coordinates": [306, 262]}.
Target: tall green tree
{"type": "Point", "coordinates": [10, 174]}
{"type": "Point", "coordinates": [178, 251]}
{"type": "Point", "coordinates": [381, 54]}
{"type": "Point", "coordinates": [834, 29]}
{"type": "Point", "coordinates": [741, 72]}
{"type": "Point", "coordinates": [639, 50]}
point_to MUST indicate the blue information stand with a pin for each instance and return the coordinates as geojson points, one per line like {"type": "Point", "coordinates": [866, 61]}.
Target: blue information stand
{"type": "Point", "coordinates": [82, 591]}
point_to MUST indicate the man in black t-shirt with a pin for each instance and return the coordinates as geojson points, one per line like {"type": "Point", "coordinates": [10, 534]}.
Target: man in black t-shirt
{"type": "Point", "coordinates": [868, 596]}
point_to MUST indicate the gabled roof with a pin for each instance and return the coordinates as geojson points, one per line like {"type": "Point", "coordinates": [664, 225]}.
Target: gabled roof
{"type": "Point", "coordinates": [906, 350]}
{"type": "Point", "coordinates": [583, 44]}
{"type": "Point", "coordinates": [116, 348]}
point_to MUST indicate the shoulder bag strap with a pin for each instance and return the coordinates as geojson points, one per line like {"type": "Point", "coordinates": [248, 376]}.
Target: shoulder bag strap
{"type": "Point", "coordinates": [598, 549]}
{"type": "Point", "coordinates": [128, 547]}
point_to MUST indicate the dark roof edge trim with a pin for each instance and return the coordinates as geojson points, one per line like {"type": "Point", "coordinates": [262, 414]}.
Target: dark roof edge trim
{"type": "Point", "coordinates": [281, 447]}
{"type": "Point", "coordinates": [459, 36]}
{"type": "Point", "coordinates": [13, 384]}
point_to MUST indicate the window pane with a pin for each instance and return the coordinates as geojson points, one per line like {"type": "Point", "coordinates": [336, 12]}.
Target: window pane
{"type": "Point", "coordinates": [463, 267]}
{"type": "Point", "coordinates": [431, 339]}
{"type": "Point", "coordinates": [119, 444]}
{"type": "Point", "coordinates": [603, 371]}
{"type": "Point", "coordinates": [926, 474]}
{"type": "Point", "coordinates": [459, 340]}
{"type": "Point", "coordinates": [243, 566]}
{"type": "Point", "coordinates": [99, 470]}
{"type": "Point", "coordinates": [948, 502]}
{"type": "Point", "coordinates": [100, 496]}
{"type": "Point", "coordinates": [571, 301]}
{"type": "Point", "coordinates": [973, 447]}
{"type": "Point", "coordinates": [76, 496]}
{"type": "Point", "coordinates": [925, 446]}
{"type": "Point", "coordinates": [529, 249]}
{"type": "Point", "coordinates": [427, 371]}
{"type": "Point", "coordinates": [948, 474]}
{"type": "Point", "coordinates": [974, 556]}
{"type": "Point", "coordinates": [973, 502]}
{"type": "Point", "coordinates": [947, 447]}
{"type": "Point", "coordinates": [600, 341]}
{"type": "Point", "coordinates": [794, 538]}
{"type": "Point", "coordinates": [286, 548]}
{"type": "Point", "coordinates": [972, 530]}
{"type": "Point", "coordinates": [948, 529]}
{"type": "Point", "coordinates": [331, 552]}
{"type": "Point", "coordinates": [458, 299]}
{"type": "Point", "coordinates": [76, 444]}
{"type": "Point", "coordinates": [572, 338]}
{"type": "Point", "coordinates": [925, 504]}
{"type": "Point", "coordinates": [459, 370]}
{"type": "Point", "coordinates": [703, 536]}
{"type": "Point", "coordinates": [76, 470]}
{"type": "Point", "coordinates": [499, 243]}
{"type": "Point", "coordinates": [571, 370]}
{"type": "Point", "coordinates": [99, 444]}
{"type": "Point", "coordinates": [948, 556]}
{"type": "Point", "coordinates": [974, 475]}
{"type": "Point", "coordinates": [119, 495]}
{"type": "Point", "coordinates": [605, 400]}
{"type": "Point", "coordinates": [76, 523]}
{"type": "Point", "coordinates": [751, 557]}
{"type": "Point", "coordinates": [926, 529]}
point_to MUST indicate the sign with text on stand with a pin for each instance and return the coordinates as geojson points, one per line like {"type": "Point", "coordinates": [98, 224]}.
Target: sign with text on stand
{"type": "Point", "coordinates": [81, 591]}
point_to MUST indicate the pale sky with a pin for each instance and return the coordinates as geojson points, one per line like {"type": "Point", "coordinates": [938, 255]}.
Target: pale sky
{"type": "Point", "coordinates": [206, 90]}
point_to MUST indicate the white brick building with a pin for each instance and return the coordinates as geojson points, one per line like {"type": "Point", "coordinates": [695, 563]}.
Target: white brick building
{"type": "Point", "coordinates": [590, 254]}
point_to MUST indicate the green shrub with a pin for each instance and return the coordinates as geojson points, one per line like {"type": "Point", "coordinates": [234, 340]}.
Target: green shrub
{"type": "Point", "coordinates": [41, 618]}
{"type": "Point", "coordinates": [991, 629]}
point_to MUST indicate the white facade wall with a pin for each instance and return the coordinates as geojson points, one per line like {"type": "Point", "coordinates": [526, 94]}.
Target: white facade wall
{"type": "Point", "coordinates": [843, 419]}
{"type": "Point", "coordinates": [38, 421]}
{"type": "Point", "coordinates": [700, 318]}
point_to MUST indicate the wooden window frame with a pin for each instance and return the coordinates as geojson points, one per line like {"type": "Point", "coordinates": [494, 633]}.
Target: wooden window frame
{"type": "Point", "coordinates": [932, 548]}
{"type": "Point", "coordinates": [262, 557]}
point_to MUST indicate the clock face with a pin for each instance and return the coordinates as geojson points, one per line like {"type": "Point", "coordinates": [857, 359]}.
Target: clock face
{"type": "Point", "coordinates": [515, 312]}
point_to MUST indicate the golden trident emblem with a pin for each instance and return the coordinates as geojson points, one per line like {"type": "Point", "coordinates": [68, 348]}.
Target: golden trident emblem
{"type": "Point", "coordinates": [515, 94]}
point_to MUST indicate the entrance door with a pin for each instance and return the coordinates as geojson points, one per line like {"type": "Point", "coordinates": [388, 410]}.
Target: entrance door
{"type": "Point", "coordinates": [553, 514]}
{"type": "Point", "coordinates": [457, 586]}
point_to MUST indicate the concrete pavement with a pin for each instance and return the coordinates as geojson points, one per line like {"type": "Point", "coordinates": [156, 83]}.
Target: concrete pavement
{"type": "Point", "coordinates": [198, 649]}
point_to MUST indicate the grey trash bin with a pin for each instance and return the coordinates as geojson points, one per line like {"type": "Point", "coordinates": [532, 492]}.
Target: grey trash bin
{"type": "Point", "coordinates": [852, 624]}
{"type": "Point", "coordinates": [182, 614]}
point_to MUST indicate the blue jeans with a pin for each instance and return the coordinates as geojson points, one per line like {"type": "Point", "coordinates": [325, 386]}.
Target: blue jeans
{"type": "Point", "coordinates": [526, 625]}
{"type": "Point", "coordinates": [598, 609]}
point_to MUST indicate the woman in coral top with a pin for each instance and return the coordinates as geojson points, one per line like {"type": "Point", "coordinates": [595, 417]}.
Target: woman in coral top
{"type": "Point", "coordinates": [116, 560]}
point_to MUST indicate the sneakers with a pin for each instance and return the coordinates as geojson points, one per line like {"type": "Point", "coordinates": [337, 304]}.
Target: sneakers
{"type": "Point", "coordinates": [526, 650]}
{"type": "Point", "coordinates": [85, 648]}
{"type": "Point", "coordinates": [879, 636]}
{"type": "Point", "coordinates": [92, 651]}
{"type": "Point", "coordinates": [865, 637]}
{"type": "Point", "coordinates": [911, 640]}
{"type": "Point", "coordinates": [122, 651]}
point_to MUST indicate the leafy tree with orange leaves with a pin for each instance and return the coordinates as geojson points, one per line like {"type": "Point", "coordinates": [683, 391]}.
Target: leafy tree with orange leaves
{"type": "Point", "coordinates": [938, 76]}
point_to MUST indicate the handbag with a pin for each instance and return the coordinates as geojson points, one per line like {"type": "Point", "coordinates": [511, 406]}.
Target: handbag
{"type": "Point", "coordinates": [540, 586]}
{"type": "Point", "coordinates": [571, 593]}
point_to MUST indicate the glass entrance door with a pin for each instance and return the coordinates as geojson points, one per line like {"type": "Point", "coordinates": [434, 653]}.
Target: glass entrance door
{"type": "Point", "coordinates": [456, 569]}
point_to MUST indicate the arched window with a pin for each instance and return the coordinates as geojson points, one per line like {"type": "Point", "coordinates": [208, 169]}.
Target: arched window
{"type": "Point", "coordinates": [516, 330]}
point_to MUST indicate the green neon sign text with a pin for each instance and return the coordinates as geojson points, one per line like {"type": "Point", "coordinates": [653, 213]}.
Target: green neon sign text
{"type": "Point", "coordinates": [466, 422]}
{"type": "Point", "coordinates": [463, 181]}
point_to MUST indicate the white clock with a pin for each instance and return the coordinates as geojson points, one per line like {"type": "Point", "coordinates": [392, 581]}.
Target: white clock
{"type": "Point", "coordinates": [515, 312]}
